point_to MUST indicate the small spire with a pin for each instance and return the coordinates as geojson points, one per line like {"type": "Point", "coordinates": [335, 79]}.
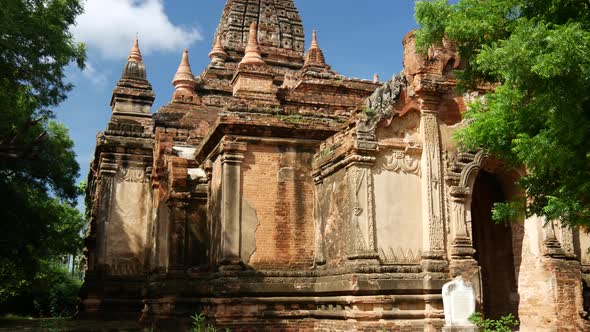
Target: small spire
{"type": "Point", "coordinates": [135, 54]}
{"type": "Point", "coordinates": [315, 56]}
{"type": "Point", "coordinates": [376, 78]}
{"type": "Point", "coordinates": [314, 40]}
{"type": "Point", "coordinates": [252, 55]}
{"type": "Point", "coordinates": [184, 79]}
{"type": "Point", "coordinates": [217, 50]}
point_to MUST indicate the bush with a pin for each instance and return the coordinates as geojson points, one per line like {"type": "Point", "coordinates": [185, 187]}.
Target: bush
{"type": "Point", "coordinates": [52, 293]}
{"type": "Point", "coordinates": [200, 324]}
{"type": "Point", "coordinates": [504, 324]}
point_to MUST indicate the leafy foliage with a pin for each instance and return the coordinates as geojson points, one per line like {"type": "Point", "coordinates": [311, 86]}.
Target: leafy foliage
{"type": "Point", "coordinates": [504, 324]}
{"type": "Point", "coordinates": [53, 292]}
{"type": "Point", "coordinates": [200, 324]}
{"type": "Point", "coordinates": [38, 219]}
{"type": "Point", "coordinates": [534, 52]}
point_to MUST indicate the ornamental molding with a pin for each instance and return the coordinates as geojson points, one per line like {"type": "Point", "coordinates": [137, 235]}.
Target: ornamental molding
{"type": "Point", "coordinates": [132, 174]}
{"type": "Point", "coordinates": [399, 161]}
{"type": "Point", "coordinates": [399, 256]}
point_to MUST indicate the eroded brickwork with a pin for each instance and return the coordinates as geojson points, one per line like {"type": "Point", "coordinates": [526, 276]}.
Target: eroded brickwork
{"type": "Point", "coordinates": [283, 210]}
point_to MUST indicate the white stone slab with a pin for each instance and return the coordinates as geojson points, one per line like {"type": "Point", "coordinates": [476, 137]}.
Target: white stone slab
{"type": "Point", "coordinates": [185, 152]}
{"type": "Point", "coordinates": [196, 173]}
{"type": "Point", "coordinates": [459, 302]}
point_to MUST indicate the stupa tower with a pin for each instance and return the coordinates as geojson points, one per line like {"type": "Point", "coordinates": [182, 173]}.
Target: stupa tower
{"type": "Point", "coordinates": [280, 30]}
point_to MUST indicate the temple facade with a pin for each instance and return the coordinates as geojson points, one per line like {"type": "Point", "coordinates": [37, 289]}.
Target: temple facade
{"type": "Point", "coordinates": [272, 193]}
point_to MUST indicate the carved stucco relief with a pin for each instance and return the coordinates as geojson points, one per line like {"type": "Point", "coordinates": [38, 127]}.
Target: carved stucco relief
{"type": "Point", "coordinates": [127, 218]}
{"type": "Point", "coordinates": [401, 256]}
{"type": "Point", "coordinates": [362, 203]}
{"type": "Point", "coordinates": [402, 162]}
{"type": "Point", "coordinates": [432, 170]}
{"type": "Point", "coordinates": [136, 174]}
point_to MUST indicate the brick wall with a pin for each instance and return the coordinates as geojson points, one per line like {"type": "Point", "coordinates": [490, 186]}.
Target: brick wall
{"type": "Point", "coordinates": [277, 184]}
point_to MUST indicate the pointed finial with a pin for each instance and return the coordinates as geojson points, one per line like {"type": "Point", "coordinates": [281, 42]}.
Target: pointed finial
{"type": "Point", "coordinates": [315, 56]}
{"type": "Point", "coordinates": [376, 78]}
{"type": "Point", "coordinates": [314, 40]}
{"type": "Point", "coordinates": [217, 50]}
{"type": "Point", "coordinates": [184, 79]}
{"type": "Point", "coordinates": [135, 53]}
{"type": "Point", "coordinates": [252, 55]}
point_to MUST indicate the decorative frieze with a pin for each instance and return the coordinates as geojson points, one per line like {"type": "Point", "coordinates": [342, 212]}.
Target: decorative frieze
{"type": "Point", "coordinates": [135, 174]}
{"type": "Point", "coordinates": [400, 161]}
{"type": "Point", "coordinates": [401, 256]}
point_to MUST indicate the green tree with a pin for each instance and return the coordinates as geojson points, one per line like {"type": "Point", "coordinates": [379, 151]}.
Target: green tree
{"type": "Point", "coordinates": [38, 170]}
{"type": "Point", "coordinates": [535, 53]}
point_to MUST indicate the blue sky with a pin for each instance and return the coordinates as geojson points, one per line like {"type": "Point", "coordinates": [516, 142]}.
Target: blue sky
{"type": "Point", "coordinates": [359, 38]}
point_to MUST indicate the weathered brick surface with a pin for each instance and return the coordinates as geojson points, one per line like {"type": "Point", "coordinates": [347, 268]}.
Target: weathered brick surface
{"type": "Point", "coordinates": [278, 186]}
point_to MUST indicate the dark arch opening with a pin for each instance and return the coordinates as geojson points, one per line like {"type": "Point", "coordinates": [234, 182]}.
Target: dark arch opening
{"type": "Point", "coordinates": [494, 252]}
{"type": "Point", "coordinates": [449, 70]}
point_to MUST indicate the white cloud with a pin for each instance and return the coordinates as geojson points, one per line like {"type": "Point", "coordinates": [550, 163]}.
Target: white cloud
{"type": "Point", "coordinates": [109, 26]}
{"type": "Point", "coordinates": [90, 73]}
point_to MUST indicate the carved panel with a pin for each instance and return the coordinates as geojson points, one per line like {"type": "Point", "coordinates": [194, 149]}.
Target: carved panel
{"type": "Point", "coordinates": [401, 256]}
{"type": "Point", "coordinates": [132, 174]}
{"type": "Point", "coordinates": [104, 194]}
{"type": "Point", "coordinates": [125, 266]}
{"type": "Point", "coordinates": [362, 202]}
{"type": "Point", "coordinates": [401, 162]}
{"type": "Point", "coordinates": [432, 163]}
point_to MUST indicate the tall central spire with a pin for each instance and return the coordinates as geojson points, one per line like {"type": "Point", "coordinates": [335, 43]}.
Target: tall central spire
{"type": "Point", "coordinates": [279, 25]}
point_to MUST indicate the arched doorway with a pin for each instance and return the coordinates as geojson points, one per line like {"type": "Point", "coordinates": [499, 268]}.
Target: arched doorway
{"type": "Point", "coordinates": [494, 249]}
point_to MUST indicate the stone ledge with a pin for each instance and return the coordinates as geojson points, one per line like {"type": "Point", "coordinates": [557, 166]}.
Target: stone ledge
{"type": "Point", "coordinates": [460, 329]}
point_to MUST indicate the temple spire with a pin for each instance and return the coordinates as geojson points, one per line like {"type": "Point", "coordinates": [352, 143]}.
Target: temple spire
{"type": "Point", "coordinates": [133, 95]}
{"type": "Point", "coordinates": [315, 56]}
{"type": "Point", "coordinates": [135, 53]}
{"type": "Point", "coordinates": [184, 79]}
{"type": "Point", "coordinates": [314, 40]}
{"type": "Point", "coordinates": [252, 56]}
{"type": "Point", "coordinates": [376, 78]}
{"type": "Point", "coordinates": [134, 69]}
{"type": "Point", "coordinates": [218, 54]}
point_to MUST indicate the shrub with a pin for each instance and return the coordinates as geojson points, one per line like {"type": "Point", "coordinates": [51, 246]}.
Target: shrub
{"type": "Point", "coordinates": [200, 324]}
{"type": "Point", "coordinates": [52, 293]}
{"type": "Point", "coordinates": [504, 324]}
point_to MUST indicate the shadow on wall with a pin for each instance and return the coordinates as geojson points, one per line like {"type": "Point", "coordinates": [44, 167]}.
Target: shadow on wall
{"type": "Point", "coordinates": [494, 249]}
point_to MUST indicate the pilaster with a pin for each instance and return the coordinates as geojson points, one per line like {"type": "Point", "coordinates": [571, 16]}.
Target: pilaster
{"type": "Point", "coordinates": [432, 189]}
{"type": "Point", "coordinates": [320, 254]}
{"type": "Point", "coordinates": [106, 182]}
{"type": "Point", "coordinates": [461, 260]}
{"type": "Point", "coordinates": [232, 155]}
{"type": "Point", "coordinates": [362, 243]}
{"type": "Point", "coordinates": [178, 215]}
